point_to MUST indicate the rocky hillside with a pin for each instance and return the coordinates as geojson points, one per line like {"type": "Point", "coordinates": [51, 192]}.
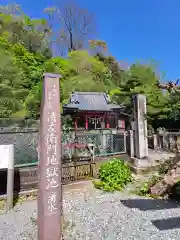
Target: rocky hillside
{"type": "Point", "coordinates": [170, 171]}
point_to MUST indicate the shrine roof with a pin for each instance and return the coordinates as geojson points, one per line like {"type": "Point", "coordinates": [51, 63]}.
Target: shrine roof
{"type": "Point", "coordinates": [90, 101]}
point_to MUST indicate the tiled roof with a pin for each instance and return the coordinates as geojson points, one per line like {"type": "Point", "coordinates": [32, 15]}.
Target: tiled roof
{"type": "Point", "coordinates": [90, 101]}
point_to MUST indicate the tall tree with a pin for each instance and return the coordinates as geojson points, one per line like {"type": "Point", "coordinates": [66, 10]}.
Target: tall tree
{"type": "Point", "coordinates": [89, 74]}
{"type": "Point", "coordinates": [142, 79]}
{"type": "Point", "coordinates": [76, 26]}
{"type": "Point", "coordinates": [119, 76]}
{"type": "Point", "coordinates": [17, 27]}
{"type": "Point", "coordinates": [13, 84]}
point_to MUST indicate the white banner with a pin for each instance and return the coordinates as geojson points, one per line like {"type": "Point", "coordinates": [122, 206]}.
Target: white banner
{"type": "Point", "coordinates": [4, 156]}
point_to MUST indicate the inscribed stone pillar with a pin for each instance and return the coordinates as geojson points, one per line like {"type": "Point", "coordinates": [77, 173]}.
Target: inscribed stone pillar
{"type": "Point", "coordinates": [140, 127]}
{"type": "Point", "coordinates": [49, 175]}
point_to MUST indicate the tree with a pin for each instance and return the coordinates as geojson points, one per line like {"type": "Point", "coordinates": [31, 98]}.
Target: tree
{"type": "Point", "coordinates": [142, 79]}
{"type": "Point", "coordinates": [173, 106]}
{"type": "Point", "coordinates": [80, 72]}
{"type": "Point", "coordinates": [25, 53]}
{"type": "Point", "coordinates": [119, 76]}
{"type": "Point", "coordinates": [172, 91]}
{"type": "Point", "coordinates": [98, 47]}
{"type": "Point", "coordinates": [90, 73]}
{"type": "Point", "coordinates": [21, 61]}
{"type": "Point", "coordinates": [12, 91]}
{"type": "Point", "coordinates": [17, 27]}
{"type": "Point", "coordinates": [76, 26]}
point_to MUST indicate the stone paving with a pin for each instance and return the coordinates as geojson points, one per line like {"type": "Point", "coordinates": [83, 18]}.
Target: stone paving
{"type": "Point", "coordinates": [92, 214]}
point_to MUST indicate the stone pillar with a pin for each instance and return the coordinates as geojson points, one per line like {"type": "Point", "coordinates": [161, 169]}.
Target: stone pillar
{"type": "Point", "coordinates": [140, 127]}
{"type": "Point", "coordinates": [155, 141]}
{"type": "Point", "coordinates": [131, 143]}
{"type": "Point", "coordinates": [50, 168]}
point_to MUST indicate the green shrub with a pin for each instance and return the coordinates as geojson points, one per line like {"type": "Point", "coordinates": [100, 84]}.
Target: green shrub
{"type": "Point", "coordinates": [145, 188]}
{"type": "Point", "coordinates": [98, 184]}
{"type": "Point", "coordinates": [114, 175]}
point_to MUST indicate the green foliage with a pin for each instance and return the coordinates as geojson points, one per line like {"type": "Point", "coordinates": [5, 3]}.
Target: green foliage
{"type": "Point", "coordinates": [20, 28]}
{"type": "Point", "coordinates": [163, 169]}
{"type": "Point", "coordinates": [173, 106]}
{"type": "Point", "coordinates": [114, 175]}
{"type": "Point", "coordinates": [32, 101]}
{"type": "Point", "coordinates": [144, 190]}
{"type": "Point", "coordinates": [25, 53]}
{"type": "Point", "coordinates": [12, 92]}
{"type": "Point", "coordinates": [142, 79]}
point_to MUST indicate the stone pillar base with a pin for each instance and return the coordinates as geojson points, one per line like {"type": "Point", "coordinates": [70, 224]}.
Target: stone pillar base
{"type": "Point", "coordinates": [141, 166]}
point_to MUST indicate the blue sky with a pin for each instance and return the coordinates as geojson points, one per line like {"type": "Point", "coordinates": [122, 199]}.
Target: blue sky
{"type": "Point", "coordinates": [134, 30]}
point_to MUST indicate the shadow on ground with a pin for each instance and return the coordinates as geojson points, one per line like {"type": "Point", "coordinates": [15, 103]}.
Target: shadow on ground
{"type": "Point", "coordinates": [167, 224]}
{"type": "Point", "coordinates": [154, 205]}
{"type": "Point", "coordinates": [150, 204]}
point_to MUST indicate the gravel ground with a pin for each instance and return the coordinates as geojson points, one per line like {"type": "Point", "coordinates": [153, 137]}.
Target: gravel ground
{"type": "Point", "coordinates": [93, 215]}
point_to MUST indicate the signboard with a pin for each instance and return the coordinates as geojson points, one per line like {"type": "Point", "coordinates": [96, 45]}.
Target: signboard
{"type": "Point", "coordinates": [4, 156]}
{"type": "Point", "coordinates": [49, 174]}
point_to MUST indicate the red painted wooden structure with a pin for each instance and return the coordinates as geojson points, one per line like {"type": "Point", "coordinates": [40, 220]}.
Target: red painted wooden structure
{"type": "Point", "coordinates": [93, 110]}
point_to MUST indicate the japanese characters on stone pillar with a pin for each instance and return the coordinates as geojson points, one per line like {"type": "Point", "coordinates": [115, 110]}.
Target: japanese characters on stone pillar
{"type": "Point", "coordinates": [140, 127]}
{"type": "Point", "coordinates": [49, 179]}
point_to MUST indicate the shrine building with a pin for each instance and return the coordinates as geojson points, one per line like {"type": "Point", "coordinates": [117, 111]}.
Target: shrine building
{"type": "Point", "coordinates": [94, 111]}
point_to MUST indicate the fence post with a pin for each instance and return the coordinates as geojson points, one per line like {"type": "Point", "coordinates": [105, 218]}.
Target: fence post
{"type": "Point", "coordinates": [10, 179]}
{"type": "Point", "coordinates": [93, 168]}
{"type": "Point", "coordinates": [75, 168]}
{"type": "Point", "coordinates": [91, 148]}
{"type": "Point", "coordinates": [93, 173]}
{"type": "Point", "coordinates": [125, 148]}
{"type": "Point", "coordinates": [131, 143]}
{"type": "Point", "coordinates": [155, 141]}
{"type": "Point", "coordinates": [171, 142]}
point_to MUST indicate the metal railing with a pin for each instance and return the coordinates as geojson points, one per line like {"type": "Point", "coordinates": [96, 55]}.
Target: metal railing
{"type": "Point", "coordinates": [105, 143]}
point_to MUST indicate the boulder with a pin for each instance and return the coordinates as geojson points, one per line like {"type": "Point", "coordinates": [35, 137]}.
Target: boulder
{"type": "Point", "coordinates": [169, 180]}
